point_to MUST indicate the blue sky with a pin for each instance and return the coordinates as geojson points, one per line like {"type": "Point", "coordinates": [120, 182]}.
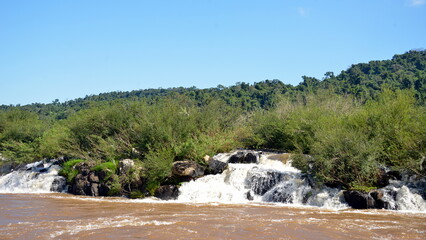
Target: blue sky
{"type": "Point", "coordinates": [68, 49]}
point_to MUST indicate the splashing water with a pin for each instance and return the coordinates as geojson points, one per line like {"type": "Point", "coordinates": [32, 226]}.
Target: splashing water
{"type": "Point", "coordinates": [38, 177]}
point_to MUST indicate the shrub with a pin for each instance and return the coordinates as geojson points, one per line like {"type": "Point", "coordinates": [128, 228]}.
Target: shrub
{"type": "Point", "coordinates": [68, 171]}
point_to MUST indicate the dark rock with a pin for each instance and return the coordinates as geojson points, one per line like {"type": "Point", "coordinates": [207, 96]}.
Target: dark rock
{"type": "Point", "coordinates": [250, 195]}
{"type": "Point", "coordinates": [58, 184]}
{"type": "Point", "coordinates": [40, 165]}
{"type": "Point", "coordinates": [167, 192]}
{"type": "Point", "coordinates": [187, 168]}
{"type": "Point", "coordinates": [358, 200]}
{"type": "Point", "coordinates": [7, 168]}
{"type": "Point", "coordinates": [236, 158]}
{"type": "Point", "coordinates": [216, 166]}
{"type": "Point", "coordinates": [394, 175]}
{"type": "Point", "coordinates": [103, 189]}
{"type": "Point", "coordinates": [244, 157]}
{"type": "Point", "coordinates": [80, 185]}
{"type": "Point", "coordinates": [261, 181]}
{"type": "Point", "coordinates": [280, 193]}
{"type": "Point", "coordinates": [361, 200]}
{"type": "Point", "coordinates": [43, 170]}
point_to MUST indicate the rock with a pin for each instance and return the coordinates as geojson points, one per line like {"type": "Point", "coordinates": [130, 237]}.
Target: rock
{"type": "Point", "coordinates": [103, 189]}
{"type": "Point", "coordinates": [81, 185]}
{"type": "Point", "coordinates": [187, 168]}
{"type": "Point", "coordinates": [93, 178]}
{"type": "Point", "coordinates": [206, 158]}
{"type": "Point", "coordinates": [40, 165]}
{"type": "Point", "coordinates": [94, 189]}
{"type": "Point", "coordinates": [216, 166]}
{"type": "Point", "coordinates": [244, 157]}
{"type": "Point", "coordinates": [281, 193]}
{"type": "Point", "coordinates": [6, 168]}
{"type": "Point", "coordinates": [260, 181]}
{"type": "Point", "coordinates": [394, 175]}
{"type": "Point", "coordinates": [362, 200]}
{"type": "Point", "coordinates": [83, 167]}
{"type": "Point", "coordinates": [167, 192]}
{"type": "Point", "coordinates": [358, 200]}
{"type": "Point", "coordinates": [125, 165]}
{"type": "Point", "coordinates": [250, 195]}
{"type": "Point", "coordinates": [58, 184]}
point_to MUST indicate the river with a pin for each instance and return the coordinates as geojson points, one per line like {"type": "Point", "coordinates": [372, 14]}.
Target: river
{"type": "Point", "coordinates": [64, 216]}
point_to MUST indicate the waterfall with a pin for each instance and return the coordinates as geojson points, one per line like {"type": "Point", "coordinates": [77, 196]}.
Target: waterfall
{"type": "Point", "coordinates": [275, 180]}
{"type": "Point", "coordinates": [38, 177]}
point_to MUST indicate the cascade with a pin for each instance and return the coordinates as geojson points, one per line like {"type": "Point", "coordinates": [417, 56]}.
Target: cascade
{"type": "Point", "coordinates": [38, 177]}
{"type": "Point", "coordinates": [272, 180]}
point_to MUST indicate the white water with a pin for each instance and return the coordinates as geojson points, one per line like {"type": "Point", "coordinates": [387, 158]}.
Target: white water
{"type": "Point", "coordinates": [268, 181]}
{"type": "Point", "coordinates": [274, 181]}
{"type": "Point", "coordinates": [37, 177]}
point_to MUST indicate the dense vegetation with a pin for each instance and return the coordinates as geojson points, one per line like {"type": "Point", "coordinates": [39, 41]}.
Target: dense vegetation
{"type": "Point", "coordinates": [344, 128]}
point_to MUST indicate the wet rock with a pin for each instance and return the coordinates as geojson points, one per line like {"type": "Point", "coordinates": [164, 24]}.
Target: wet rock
{"type": "Point", "coordinates": [7, 168]}
{"type": "Point", "coordinates": [281, 193]}
{"type": "Point", "coordinates": [40, 165]}
{"type": "Point", "coordinates": [362, 200]}
{"type": "Point", "coordinates": [125, 165]}
{"type": "Point", "coordinates": [250, 195]}
{"type": "Point", "coordinates": [188, 168]}
{"type": "Point", "coordinates": [58, 184]}
{"type": "Point", "coordinates": [260, 180]}
{"type": "Point", "coordinates": [216, 166]}
{"type": "Point", "coordinates": [244, 157]}
{"type": "Point", "coordinates": [167, 192]}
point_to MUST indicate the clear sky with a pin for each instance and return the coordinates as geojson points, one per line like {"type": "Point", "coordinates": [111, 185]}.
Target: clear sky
{"type": "Point", "coordinates": [68, 49]}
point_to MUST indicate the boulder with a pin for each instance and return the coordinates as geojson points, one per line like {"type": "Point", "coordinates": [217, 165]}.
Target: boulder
{"type": "Point", "coordinates": [81, 185]}
{"type": "Point", "coordinates": [244, 157]}
{"type": "Point", "coordinates": [167, 192]}
{"type": "Point", "coordinates": [260, 181]}
{"type": "Point", "coordinates": [104, 189]}
{"type": "Point", "coordinates": [362, 200]}
{"type": "Point", "coordinates": [250, 195]}
{"type": "Point", "coordinates": [216, 166]}
{"type": "Point", "coordinates": [125, 165]}
{"type": "Point", "coordinates": [86, 185]}
{"type": "Point", "coordinates": [59, 184]}
{"type": "Point", "coordinates": [187, 168]}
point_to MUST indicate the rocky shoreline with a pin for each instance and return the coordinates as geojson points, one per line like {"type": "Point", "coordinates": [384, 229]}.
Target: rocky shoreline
{"type": "Point", "coordinates": [126, 181]}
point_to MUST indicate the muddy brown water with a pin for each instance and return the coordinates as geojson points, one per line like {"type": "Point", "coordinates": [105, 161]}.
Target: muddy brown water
{"type": "Point", "coordinates": [63, 216]}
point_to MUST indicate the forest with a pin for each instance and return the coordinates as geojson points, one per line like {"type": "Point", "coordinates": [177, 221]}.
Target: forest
{"type": "Point", "coordinates": [342, 129]}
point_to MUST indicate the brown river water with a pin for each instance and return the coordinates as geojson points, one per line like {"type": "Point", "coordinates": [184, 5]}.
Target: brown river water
{"type": "Point", "coordinates": [63, 216]}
